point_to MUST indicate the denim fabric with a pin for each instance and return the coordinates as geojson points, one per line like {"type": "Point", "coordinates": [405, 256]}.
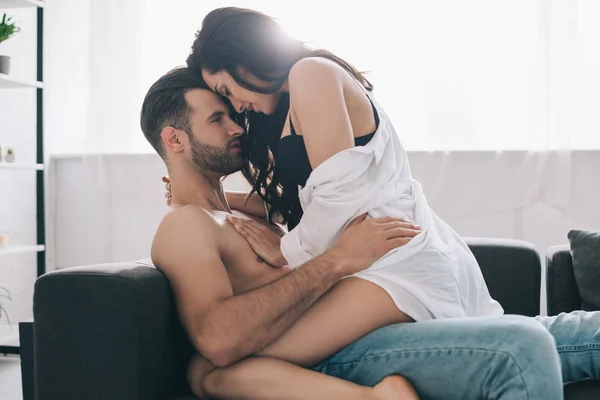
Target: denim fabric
{"type": "Point", "coordinates": [508, 357]}
{"type": "Point", "coordinates": [577, 336]}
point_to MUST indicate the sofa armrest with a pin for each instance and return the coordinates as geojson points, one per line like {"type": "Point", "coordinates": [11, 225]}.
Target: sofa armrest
{"type": "Point", "coordinates": [562, 294]}
{"type": "Point", "coordinates": [512, 270]}
{"type": "Point", "coordinates": [108, 331]}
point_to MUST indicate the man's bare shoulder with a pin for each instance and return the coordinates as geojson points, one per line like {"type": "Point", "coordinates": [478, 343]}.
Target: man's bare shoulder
{"type": "Point", "coordinates": [184, 218]}
{"type": "Point", "coordinates": [182, 213]}
{"type": "Point", "coordinates": [186, 250]}
{"type": "Point", "coordinates": [183, 227]}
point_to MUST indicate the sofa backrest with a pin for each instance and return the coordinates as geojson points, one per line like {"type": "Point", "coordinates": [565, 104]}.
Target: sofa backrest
{"type": "Point", "coordinates": [512, 271]}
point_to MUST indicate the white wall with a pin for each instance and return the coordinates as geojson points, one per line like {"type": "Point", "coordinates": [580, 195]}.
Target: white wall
{"type": "Point", "coordinates": [107, 209]}
{"type": "Point", "coordinates": [17, 188]}
{"type": "Point", "coordinates": [67, 64]}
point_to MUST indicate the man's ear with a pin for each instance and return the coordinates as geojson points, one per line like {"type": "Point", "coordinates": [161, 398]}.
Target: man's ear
{"type": "Point", "coordinates": [171, 138]}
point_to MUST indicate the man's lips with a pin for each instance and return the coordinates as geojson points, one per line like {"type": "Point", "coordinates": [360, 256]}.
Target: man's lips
{"type": "Point", "coordinates": [236, 146]}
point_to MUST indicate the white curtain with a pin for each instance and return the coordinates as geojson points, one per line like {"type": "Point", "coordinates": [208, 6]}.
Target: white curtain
{"type": "Point", "coordinates": [514, 81]}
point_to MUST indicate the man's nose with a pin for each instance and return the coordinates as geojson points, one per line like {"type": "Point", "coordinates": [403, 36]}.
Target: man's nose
{"type": "Point", "coordinates": [236, 130]}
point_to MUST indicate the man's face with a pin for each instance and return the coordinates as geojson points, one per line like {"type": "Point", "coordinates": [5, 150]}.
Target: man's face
{"type": "Point", "coordinates": [215, 140]}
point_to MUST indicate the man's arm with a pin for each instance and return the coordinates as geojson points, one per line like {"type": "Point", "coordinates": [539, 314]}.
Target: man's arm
{"type": "Point", "coordinates": [242, 325]}
{"type": "Point", "coordinates": [227, 328]}
{"type": "Point", "coordinates": [223, 327]}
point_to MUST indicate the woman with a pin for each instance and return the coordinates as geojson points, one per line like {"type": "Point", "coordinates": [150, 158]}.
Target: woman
{"type": "Point", "coordinates": [312, 122]}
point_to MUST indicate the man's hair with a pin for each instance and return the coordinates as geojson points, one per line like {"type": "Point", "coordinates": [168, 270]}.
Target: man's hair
{"type": "Point", "coordinates": [165, 105]}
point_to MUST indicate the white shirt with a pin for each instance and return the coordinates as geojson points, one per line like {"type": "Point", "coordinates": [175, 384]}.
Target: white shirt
{"type": "Point", "coordinates": [435, 275]}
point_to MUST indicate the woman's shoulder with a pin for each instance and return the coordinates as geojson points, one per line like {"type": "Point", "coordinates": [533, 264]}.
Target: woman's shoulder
{"type": "Point", "coordinates": [318, 63]}
{"type": "Point", "coordinates": [315, 71]}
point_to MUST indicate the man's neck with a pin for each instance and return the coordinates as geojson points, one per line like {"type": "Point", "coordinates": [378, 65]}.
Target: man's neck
{"type": "Point", "coordinates": [193, 187]}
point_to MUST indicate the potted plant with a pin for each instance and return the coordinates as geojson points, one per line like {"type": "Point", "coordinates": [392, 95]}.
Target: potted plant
{"type": "Point", "coordinates": [4, 295]}
{"type": "Point", "coordinates": [7, 30]}
{"type": "Point", "coordinates": [10, 156]}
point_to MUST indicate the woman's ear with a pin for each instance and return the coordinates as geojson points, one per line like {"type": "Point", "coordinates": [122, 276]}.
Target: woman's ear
{"type": "Point", "coordinates": [171, 138]}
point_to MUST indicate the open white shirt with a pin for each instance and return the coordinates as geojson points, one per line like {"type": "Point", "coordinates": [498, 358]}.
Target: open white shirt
{"type": "Point", "coordinates": [435, 275]}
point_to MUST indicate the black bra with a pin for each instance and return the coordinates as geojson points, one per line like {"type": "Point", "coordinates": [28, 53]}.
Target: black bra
{"type": "Point", "coordinates": [292, 164]}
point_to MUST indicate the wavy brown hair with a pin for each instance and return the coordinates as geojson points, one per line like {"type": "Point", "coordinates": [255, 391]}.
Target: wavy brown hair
{"type": "Point", "coordinates": [234, 39]}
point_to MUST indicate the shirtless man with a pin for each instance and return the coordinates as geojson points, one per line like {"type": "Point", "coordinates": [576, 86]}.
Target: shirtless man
{"type": "Point", "coordinates": [234, 305]}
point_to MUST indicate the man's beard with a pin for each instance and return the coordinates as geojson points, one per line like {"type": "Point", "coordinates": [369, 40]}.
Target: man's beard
{"type": "Point", "coordinates": [216, 159]}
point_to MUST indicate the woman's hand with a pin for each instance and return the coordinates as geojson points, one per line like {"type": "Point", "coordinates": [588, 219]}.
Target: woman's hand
{"type": "Point", "coordinates": [264, 242]}
{"type": "Point", "coordinates": [167, 182]}
{"type": "Point", "coordinates": [278, 230]}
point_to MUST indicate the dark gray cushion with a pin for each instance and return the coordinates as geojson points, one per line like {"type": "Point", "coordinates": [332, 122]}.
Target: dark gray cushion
{"type": "Point", "coordinates": [585, 250]}
{"type": "Point", "coordinates": [562, 293]}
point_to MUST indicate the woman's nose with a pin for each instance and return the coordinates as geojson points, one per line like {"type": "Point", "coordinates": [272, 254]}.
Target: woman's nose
{"type": "Point", "coordinates": [239, 107]}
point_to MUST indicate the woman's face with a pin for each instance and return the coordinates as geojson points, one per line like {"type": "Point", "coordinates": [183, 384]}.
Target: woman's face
{"type": "Point", "coordinates": [241, 98]}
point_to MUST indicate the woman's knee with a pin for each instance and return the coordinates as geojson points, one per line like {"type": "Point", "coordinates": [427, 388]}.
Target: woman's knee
{"type": "Point", "coordinates": [198, 369]}
{"type": "Point", "coordinates": [215, 382]}
{"type": "Point", "coordinates": [224, 383]}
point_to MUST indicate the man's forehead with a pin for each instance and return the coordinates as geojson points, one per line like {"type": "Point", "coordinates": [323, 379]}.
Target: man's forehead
{"type": "Point", "coordinates": [204, 101]}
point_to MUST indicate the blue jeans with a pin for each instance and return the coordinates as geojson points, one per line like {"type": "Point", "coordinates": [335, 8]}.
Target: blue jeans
{"type": "Point", "coordinates": [505, 358]}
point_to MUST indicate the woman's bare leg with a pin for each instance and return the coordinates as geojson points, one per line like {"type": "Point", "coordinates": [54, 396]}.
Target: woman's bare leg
{"type": "Point", "coordinates": [350, 310]}
{"type": "Point", "coordinates": [265, 378]}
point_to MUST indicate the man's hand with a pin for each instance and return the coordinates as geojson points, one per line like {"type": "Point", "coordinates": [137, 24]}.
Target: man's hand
{"type": "Point", "coordinates": [264, 242]}
{"type": "Point", "coordinates": [366, 241]}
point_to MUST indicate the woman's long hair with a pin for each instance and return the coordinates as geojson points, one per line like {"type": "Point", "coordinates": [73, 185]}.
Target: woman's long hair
{"type": "Point", "coordinates": [242, 41]}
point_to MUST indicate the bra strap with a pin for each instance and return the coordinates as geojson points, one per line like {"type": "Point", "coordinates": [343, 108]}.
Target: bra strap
{"type": "Point", "coordinates": [292, 130]}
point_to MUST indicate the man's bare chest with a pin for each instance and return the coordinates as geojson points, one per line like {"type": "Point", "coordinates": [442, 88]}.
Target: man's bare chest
{"type": "Point", "coordinates": [245, 269]}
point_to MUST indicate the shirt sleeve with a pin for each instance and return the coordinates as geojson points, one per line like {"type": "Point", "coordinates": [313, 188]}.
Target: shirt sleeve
{"type": "Point", "coordinates": [328, 206]}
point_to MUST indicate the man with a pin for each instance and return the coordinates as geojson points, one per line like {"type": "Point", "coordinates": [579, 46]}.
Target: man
{"type": "Point", "coordinates": [233, 305]}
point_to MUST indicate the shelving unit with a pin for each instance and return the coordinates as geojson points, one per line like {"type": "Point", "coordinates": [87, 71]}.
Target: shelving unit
{"type": "Point", "coordinates": [20, 3]}
{"type": "Point", "coordinates": [5, 165]}
{"type": "Point", "coordinates": [8, 82]}
{"type": "Point", "coordinates": [8, 335]}
{"type": "Point", "coordinates": [9, 338]}
{"type": "Point", "coordinates": [11, 250]}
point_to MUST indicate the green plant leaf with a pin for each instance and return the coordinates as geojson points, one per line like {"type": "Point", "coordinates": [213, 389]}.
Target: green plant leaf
{"type": "Point", "coordinates": [7, 28]}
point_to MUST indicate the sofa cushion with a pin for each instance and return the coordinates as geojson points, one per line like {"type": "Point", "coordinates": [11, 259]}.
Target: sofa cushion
{"type": "Point", "coordinates": [585, 250]}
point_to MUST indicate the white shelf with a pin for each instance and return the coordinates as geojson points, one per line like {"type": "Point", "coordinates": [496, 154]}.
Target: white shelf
{"type": "Point", "coordinates": [5, 165]}
{"type": "Point", "coordinates": [8, 336]}
{"type": "Point", "coordinates": [8, 82]}
{"type": "Point", "coordinates": [20, 3]}
{"type": "Point", "coordinates": [11, 250]}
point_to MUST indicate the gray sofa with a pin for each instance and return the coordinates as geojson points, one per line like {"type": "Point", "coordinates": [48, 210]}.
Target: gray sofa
{"type": "Point", "coordinates": [111, 332]}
